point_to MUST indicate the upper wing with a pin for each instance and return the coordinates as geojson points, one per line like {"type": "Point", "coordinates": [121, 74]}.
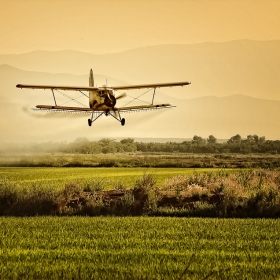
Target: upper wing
{"type": "Point", "coordinates": [56, 87]}
{"type": "Point", "coordinates": [151, 85]}
{"type": "Point", "coordinates": [94, 88]}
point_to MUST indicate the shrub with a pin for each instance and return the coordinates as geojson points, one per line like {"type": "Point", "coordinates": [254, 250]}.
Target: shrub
{"type": "Point", "coordinates": [95, 184]}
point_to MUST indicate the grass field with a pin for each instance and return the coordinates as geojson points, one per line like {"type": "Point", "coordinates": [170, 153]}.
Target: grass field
{"type": "Point", "coordinates": [138, 248]}
{"type": "Point", "coordinates": [109, 177]}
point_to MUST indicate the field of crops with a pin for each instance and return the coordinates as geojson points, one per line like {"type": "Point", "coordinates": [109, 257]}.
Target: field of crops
{"type": "Point", "coordinates": [138, 248]}
{"type": "Point", "coordinates": [109, 177]}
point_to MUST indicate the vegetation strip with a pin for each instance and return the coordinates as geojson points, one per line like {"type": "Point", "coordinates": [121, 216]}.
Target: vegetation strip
{"type": "Point", "coordinates": [223, 193]}
{"type": "Point", "coordinates": [144, 160]}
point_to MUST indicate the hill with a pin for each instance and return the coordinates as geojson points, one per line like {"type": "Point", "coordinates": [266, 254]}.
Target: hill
{"type": "Point", "coordinates": [215, 69]}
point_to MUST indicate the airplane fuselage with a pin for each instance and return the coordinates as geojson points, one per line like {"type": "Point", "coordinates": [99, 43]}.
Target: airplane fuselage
{"type": "Point", "coordinates": [102, 99]}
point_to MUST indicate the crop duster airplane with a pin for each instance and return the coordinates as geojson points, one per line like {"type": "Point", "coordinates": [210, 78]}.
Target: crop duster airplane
{"type": "Point", "coordinates": [102, 100]}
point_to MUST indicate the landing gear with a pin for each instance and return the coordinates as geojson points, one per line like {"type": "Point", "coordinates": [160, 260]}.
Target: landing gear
{"type": "Point", "coordinates": [90, 121]}
{"type": "Point", "coordinates": [116, 115]}
{"type": "Point", "coordinates": [107, 113]}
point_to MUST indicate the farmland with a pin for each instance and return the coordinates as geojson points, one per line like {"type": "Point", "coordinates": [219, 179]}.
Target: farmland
{"type": "Point", "coordinates": [138, 248]}
{"type": "Point", "coordinates": [110, 177]}
{"type": "Point", "coordinates": [111, 246]}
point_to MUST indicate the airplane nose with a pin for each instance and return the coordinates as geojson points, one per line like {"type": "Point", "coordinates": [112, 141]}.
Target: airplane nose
{"type": "Point", "coordinates": [110, 102]}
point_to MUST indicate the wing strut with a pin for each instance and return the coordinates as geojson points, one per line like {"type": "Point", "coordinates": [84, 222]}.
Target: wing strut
{"type": "Point", "coordinates": [153, 96]}
{"type": "Point", "coordinates": [54, 98]}
{"type": "Point", "coordinates": [91, 120]}
{"type": "Point", "coordinates": [120, 119]}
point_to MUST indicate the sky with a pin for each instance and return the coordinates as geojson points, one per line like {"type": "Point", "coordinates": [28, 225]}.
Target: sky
{"type": "Point", "coordinates": [113, 26]}
{"type": "Point", "coordinates": [109, 26]}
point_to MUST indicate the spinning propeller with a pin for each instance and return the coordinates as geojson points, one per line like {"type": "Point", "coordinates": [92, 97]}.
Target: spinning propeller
{"type": "Point", "coordinates": [123, 95]}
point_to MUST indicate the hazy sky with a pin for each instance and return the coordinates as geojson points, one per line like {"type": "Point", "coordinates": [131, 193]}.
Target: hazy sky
{"type": "Point", "coordinates": [108, 26]}
{"type": "Point", "coordinates": [101, 26]}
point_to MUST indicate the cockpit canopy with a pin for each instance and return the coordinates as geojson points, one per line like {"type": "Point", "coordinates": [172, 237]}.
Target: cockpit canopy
{"type": "Point", "coordinates": [103, 92]}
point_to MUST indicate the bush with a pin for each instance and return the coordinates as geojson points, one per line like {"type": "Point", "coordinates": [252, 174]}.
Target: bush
{"type": "Point", "coordinates": [243, 193]}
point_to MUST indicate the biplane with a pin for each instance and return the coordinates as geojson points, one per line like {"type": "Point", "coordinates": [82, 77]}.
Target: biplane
{"type": "Point", "coordinates": [102, 100]}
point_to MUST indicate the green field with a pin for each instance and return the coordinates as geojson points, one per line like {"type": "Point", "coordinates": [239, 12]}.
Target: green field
{"type": "Point", "coordinates": [139, 248]}
{"type": "Point", "coordinates": [110, 177]}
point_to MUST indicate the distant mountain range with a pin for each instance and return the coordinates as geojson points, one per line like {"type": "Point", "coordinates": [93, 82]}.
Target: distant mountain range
{"type": "Point", "coordinates": [221, 116]}
{"type": "Point", "coordinates": [215, 69]}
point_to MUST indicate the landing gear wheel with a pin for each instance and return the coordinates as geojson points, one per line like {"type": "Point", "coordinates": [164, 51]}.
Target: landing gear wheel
{"type": "Point", "coordinates": [122, 122]}
{"type": "Point", "coordinates": [89, 122]}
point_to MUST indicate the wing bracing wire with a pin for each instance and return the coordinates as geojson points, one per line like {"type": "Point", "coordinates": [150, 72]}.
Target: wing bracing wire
{"type": "Point", "coordinates": [137, 98]}
{"type": "Point", "coordinates": [72, 99]}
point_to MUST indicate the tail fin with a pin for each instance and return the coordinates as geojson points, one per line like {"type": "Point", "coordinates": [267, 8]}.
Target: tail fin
{"type": "Point", "coordinates": [91, 80]}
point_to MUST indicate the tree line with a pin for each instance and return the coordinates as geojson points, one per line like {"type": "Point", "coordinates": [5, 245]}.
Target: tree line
{"type": "Point", "coordinates": [236, 144]}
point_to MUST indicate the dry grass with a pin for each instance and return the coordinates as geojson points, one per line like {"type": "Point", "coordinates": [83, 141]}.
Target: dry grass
{"type": "Point", "coordinates": [243, 193]}
{"type": "Point", "coordinates": [242, 183]}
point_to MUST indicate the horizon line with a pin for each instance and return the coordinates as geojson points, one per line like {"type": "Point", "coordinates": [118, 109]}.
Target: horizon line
{"type": "Point", "coordinates": [147, 46]}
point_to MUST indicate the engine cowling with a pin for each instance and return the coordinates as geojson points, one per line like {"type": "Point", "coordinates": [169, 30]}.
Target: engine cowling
{"type": "Point", "coordinates": [110, 101]}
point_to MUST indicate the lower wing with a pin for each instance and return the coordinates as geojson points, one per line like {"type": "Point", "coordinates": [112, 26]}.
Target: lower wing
{"type": "Point", "coordinates": [145, 107]}
{"type": "Point", "coordinates": [89, 110]}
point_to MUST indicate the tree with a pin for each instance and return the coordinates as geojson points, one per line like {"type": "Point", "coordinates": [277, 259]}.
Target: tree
{"type": "Point", "coordinates": [211, 140]}
{"type": "Point", "coordinates": [141, 146]}
{"type": "Point", "coordinates": [108, 145]}
{"type": "Point", "coordinates": [197, 140]}
{"type": "Point", "coordinates": [262, 140]}
{"type": "Point", "coordinates": [235, 139]}
{"type": "Point", "coordinates": [256, 138]}
{"type": "Point", "coordinates": [128, 145]}
{"type": "Point", "coordinates": [252, 139]}
{"type": "Point", "coordinates": [198, 144]}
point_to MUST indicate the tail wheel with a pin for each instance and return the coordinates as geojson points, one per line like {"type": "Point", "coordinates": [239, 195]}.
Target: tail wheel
{"type": "Point", "coordinates": [122, 122]}
{"type": "Point", "coordinates": [89, 122]}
